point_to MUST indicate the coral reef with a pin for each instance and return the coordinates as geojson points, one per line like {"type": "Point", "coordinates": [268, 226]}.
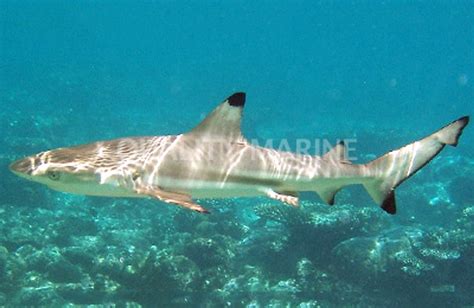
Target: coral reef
{"type": "Point", "coordinates": [58, 249]}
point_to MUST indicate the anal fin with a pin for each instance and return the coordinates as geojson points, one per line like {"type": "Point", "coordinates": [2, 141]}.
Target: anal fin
{"type": "Point", "coordinates": [328, 195]}
{"type": "Point", "coordinates": [290, 198]}
{"type": "Point", "coordinates": [180, 199]}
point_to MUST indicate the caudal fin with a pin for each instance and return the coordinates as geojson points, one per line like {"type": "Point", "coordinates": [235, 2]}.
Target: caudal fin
{"type": "Point", "coordinates": [391, 169]}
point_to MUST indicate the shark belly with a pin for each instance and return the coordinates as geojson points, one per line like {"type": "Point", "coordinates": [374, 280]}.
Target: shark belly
{"type": "Point", "coordinates": [253, 171]}
{"type": "Point", "coordinates": [205, 188]}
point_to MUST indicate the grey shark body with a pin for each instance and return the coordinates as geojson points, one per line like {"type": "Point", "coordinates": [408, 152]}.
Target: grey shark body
{"type": "Point", "coordinates": [214, 160]}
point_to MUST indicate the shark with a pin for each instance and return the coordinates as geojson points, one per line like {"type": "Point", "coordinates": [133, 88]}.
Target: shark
{"type": "Point", "coordinates": [214, 160]}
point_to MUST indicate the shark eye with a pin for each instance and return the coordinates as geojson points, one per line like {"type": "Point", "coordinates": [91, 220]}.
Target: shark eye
{"type": "Point", "coordinates": [53, 175]}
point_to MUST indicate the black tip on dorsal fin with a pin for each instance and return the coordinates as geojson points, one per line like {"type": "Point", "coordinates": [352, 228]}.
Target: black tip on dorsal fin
{"type": "Point", "coordinates": [237, 99]}
{"type": "Point", "coordinates": [389, 205]}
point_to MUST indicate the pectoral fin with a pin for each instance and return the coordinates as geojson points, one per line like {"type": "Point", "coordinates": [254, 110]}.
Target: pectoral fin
{"type": "Point", "coordinates": [290, 198]}
{"type": "Point", "coordinates": [171, 197]}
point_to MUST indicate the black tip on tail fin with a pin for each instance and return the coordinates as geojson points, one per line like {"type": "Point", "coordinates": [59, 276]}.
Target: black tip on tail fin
{"type": "Point", "coordinates": [237, 99]}
{"type": "Point", "coordinates": [450, 133]}
{"type": "Point", "coordinates": [389, 204]}
{"type": "Point", "coordinates": [462, 122]}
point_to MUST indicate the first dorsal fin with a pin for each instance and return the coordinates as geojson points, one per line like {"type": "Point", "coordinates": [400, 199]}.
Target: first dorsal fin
{"type": "Point", "coordinates": [337, 153]}
{"type": "Point", "coordinates": [224, 121]}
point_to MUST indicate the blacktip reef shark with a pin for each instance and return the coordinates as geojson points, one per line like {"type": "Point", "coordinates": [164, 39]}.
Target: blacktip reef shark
{"type": "Point", "coordinates": [214, 160]}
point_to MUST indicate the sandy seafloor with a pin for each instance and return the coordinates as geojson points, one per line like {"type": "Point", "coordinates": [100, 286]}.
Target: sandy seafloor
{"type": "Point", "coordinates": [382, 75]}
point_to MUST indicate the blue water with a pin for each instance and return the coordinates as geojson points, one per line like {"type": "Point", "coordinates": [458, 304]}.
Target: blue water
{"type": "Point", "coordinates": [383, 74]}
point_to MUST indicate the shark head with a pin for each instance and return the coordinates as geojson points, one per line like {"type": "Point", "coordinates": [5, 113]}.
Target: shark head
{"type": "Point", "coordinates": [73, 170]}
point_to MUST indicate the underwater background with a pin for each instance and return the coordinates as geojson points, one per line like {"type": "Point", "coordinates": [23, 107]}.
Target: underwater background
{"type": "Point", "coordinates": [383, 73]}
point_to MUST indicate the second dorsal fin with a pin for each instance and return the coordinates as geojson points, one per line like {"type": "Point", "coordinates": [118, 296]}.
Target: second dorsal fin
{"type": "Point", "coordinates": [337, 153]}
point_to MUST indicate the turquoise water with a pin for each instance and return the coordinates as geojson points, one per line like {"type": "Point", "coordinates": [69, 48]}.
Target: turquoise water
{"type": "Point", "coordinates": [382, 74]}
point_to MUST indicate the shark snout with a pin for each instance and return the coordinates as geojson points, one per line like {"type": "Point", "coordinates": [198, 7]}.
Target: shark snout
{"type": "Point", "coordinates": [23, 166]}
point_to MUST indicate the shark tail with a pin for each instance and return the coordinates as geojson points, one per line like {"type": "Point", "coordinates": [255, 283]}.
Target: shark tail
{"type": "Point", "coordinates": [391, 169]}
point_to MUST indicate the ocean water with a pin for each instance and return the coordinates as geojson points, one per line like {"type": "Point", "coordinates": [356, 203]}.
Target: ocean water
{"type": "Point", "coordinates": [381, 74]}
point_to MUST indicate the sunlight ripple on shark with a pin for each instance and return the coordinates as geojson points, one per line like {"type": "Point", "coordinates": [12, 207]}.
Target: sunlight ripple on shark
{"type": "Point", "coordinates": [214, 160]}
